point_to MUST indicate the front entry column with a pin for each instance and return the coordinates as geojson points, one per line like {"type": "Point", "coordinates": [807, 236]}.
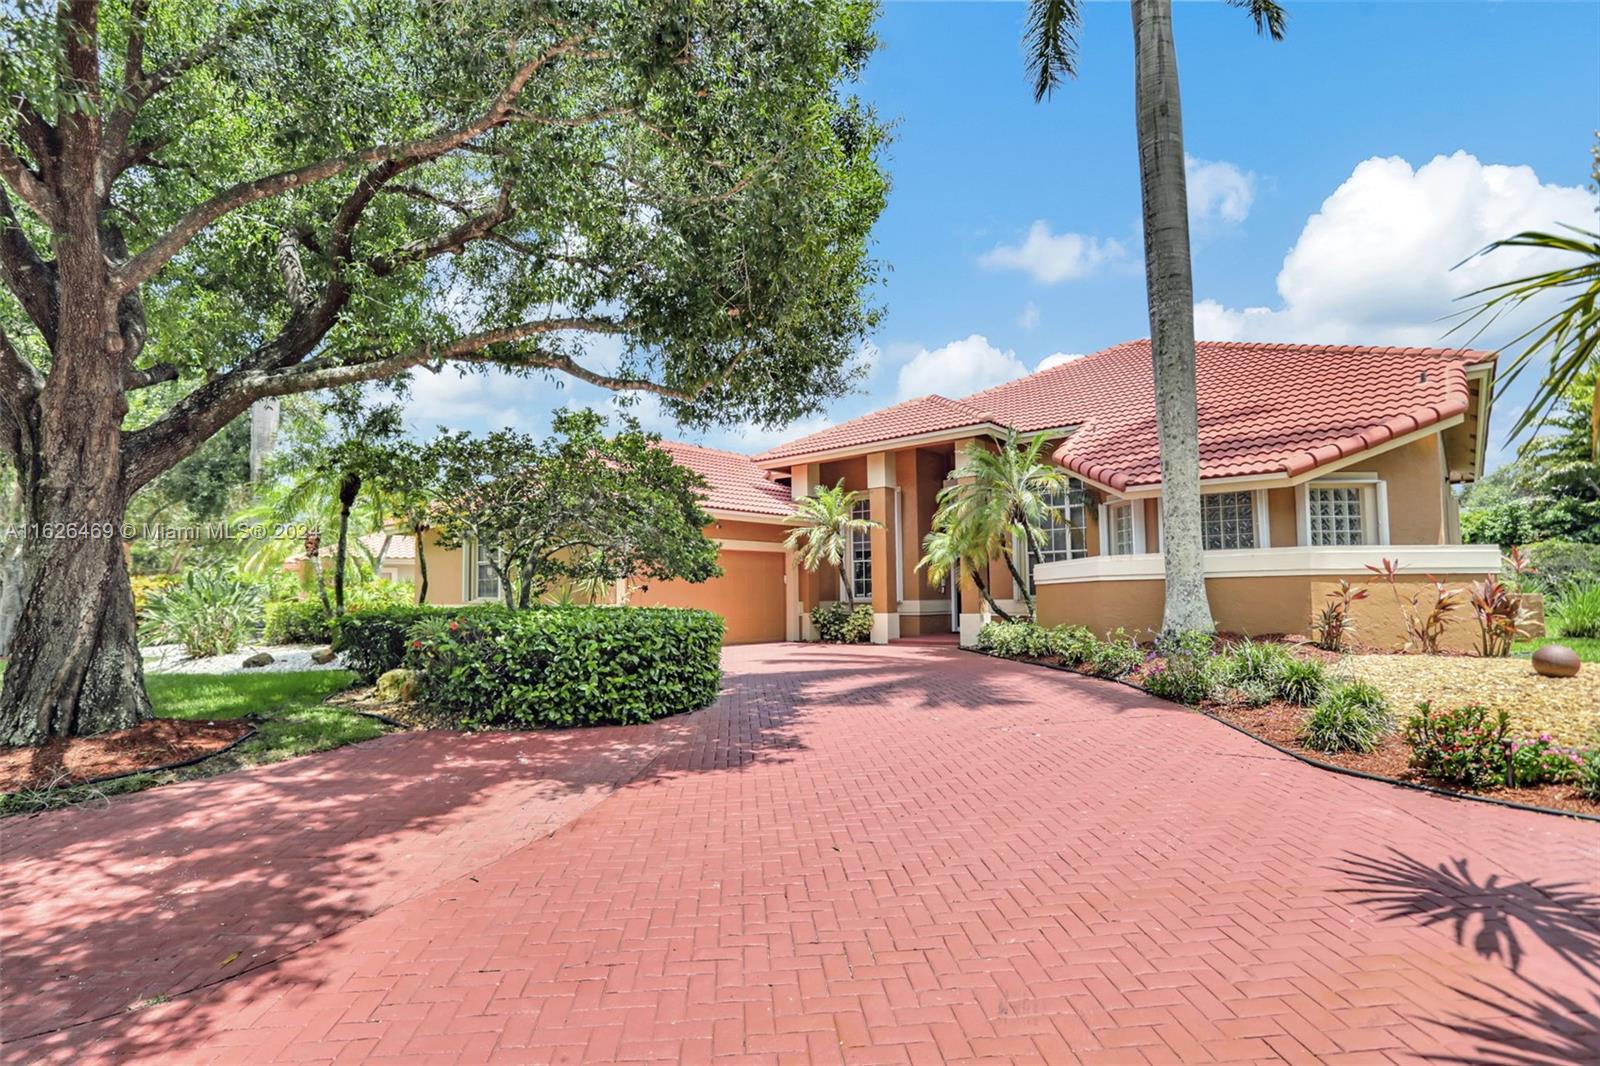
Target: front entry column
{"type": "Point", "coordinates": [801, 586]}
{"type": "Point", "coordinates": [885, 540]}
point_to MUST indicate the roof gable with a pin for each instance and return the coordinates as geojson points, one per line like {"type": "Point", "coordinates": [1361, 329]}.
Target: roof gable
{"type": "Point", "coordinates": [735, 482]}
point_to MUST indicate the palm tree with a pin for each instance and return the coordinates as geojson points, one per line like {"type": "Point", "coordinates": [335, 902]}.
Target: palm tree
{"type": "Point", "coordinates": [1003, 496]}
{"type": "Point", "coordinates": [1051, 42]}
{"type": "Point", "coordinates": [1569, 337]}
{"type": "Point", "coordinates": [822, 525]}
{"type": "Point", "coordinates": [956, 547]}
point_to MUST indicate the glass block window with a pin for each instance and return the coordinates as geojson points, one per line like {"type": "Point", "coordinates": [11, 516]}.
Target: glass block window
{"type": "Point", "coordinates": [861, 552]}
{"type": "Point", "coordinates": [1119, 531]}
{"type": "Point", "coordinates": [1228, 520]}
{"type": "Point", "coordinates": [1337, 515]}
{"type": "Point", "coordinates": [1065, 526]}
{"type": "Point", "coordinates": [487, 581]}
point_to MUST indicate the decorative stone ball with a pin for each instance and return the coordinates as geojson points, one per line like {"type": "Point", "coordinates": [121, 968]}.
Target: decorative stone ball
{"type": "Point", "coordinates": [1555, 660]}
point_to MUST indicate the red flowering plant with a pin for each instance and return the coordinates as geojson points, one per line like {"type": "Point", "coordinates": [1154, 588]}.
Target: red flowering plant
{"type": "Point", "coordinates": [1334, 624]}
{"type": "Point", "coordinates": [1425, 623]}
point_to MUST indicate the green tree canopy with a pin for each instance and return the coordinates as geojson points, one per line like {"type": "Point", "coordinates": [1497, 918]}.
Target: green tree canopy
{"type": "Point", "coordinates": [579, 507]}
{"type": "Point", "coordinates": [253, 198]}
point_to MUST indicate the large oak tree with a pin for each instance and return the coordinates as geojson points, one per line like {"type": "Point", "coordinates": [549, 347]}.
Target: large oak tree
{"type": "Point", "coordinates": [233, 200]}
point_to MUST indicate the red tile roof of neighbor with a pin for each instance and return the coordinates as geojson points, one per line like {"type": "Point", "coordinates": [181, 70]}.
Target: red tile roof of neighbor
{"type": "Point", "coordinates": [736, 483]}
{"type": "Point", "coordinates": [1265, 409]}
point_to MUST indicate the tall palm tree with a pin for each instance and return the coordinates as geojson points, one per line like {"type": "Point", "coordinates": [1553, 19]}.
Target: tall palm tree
{"type": "Point", "coordinates": [1001, 497]}
{"type": "Point", "coordinates": [1051, 42]}
{"type": "Point", "coordinates": [822, 525]}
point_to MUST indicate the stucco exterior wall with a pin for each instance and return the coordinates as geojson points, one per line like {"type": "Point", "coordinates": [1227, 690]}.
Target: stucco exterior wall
{"type": "Point", "coordinates": [1417, 489]}
{"type": "Point", "coordinates": [1251, 606]}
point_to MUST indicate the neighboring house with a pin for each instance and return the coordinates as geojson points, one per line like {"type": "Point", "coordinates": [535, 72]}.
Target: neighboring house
{"type": "Point", "coordinates": [1315, 461]}
{"type": "Point", "coordinates": [398, 550]}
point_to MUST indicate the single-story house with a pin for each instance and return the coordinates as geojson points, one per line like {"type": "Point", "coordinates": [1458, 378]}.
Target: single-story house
{"type": "Point", "coordinates": [394, 555]}
{"type": "Point", "coordinates": [1316, 460]}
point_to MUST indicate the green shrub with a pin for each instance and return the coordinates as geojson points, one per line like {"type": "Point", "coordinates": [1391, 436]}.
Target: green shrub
{"type": "Point", "coordinates": [1117, 655]}
{"type": "Point", "coordinates": [1587, 775]}
{"type": "Point", "coordinates": [297, 622]}
{"type": "Point", "coordinates": [209, 612]}
{"type": "Point", "coordinates": [374, 641]}
{"type": "Point", "coordinates": [1071, 644]}
{"type": "Point", "coordinates": [837, 623]}
{"type": "Point", "coordinates": [1351, 716]}
{"type": "Point", "coordinates": [566, 666]}
{"type": "Point", "coordinates": [1247, 693]}
{"type": "Point", "coordinates": [1014, 640]}
{"type": "Point", "coordinates": [1301, 681]}
{"type": "Point", "coordinates": [146, 585]}
{"type": "Point", "coordinates": [1466, 746]}
{"type": "Point", "coordinates": [1541, 761]}
{"type": "Point", "coordinates": [1249, 661]}
{"type": "Point", "coordinates": [1576, 609]}
{"type": "Point", "coordinates": [1559, 563]}
{"type": "Point", "coordinates": [1182, 672]}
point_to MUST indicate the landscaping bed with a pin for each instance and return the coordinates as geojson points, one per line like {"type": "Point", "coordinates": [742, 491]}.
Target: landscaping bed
{"type": "Point", "coordinates": [1301, 700]}
{"type": "Point", "coordinates": [1280, 723]}
{"type": "Point", "coordinates": [150, 745]}
{"type": "Point", "coordinates": [1566, 707]}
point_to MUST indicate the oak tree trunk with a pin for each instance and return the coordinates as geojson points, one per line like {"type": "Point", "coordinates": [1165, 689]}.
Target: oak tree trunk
{"type": "Point", "coordinates": [1170, 291]}
{"type": "Point", "coordinates": [422, 565]}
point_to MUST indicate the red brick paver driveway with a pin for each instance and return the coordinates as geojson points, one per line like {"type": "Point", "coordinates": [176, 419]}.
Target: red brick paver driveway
{"type": "Point", "coordinates": [870, 855]}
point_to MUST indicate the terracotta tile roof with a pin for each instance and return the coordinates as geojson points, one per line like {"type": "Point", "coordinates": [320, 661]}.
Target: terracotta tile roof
{"type": "Point", "coordinates": [925, 414]}
{"type": "Point", "coordinates": [737, 484]}
{"type": "Point", "coordinates": [402, 546]}
{"type": "Point", "coordinates": [1264, 408]}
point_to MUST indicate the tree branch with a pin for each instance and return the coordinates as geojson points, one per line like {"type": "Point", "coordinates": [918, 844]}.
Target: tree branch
{"type": "Point", "coordinates": [143, 379]}
{"type": "Point", "coordinates": [147, 263]}
{"type": "Point", "coordinates": [212, 405]}
{"type": "Point", "coordinates": [28, 277]}
{"type": "Point", "coordinates": [20, 380]}
{"type": "Point", "coordinates": [28, 186]}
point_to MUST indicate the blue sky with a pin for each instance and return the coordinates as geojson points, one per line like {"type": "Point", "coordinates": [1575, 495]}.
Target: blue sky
{"type": "Point", "coordinates": [1317, 196]}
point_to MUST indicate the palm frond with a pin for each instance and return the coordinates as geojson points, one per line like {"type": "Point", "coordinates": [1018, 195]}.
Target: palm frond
{"type": "Point", "coordinates": [1568, 337]}
{"type": "Point", "coordinates": [1050, 39]}
{"type": "Point", "coordinates": [1270, 18]}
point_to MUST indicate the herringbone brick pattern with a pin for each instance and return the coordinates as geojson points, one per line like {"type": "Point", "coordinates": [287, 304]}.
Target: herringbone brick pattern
{"type": "Point", "coordinates": [863, 855]}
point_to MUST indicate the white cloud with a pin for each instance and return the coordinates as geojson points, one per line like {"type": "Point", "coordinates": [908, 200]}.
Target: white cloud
{"type": "Point", "coordinates": [1056, 359]}
{"type": "Point", "coordinates": [1052, 257]}
{"type": "Point", "coordinates": [1218, 190]}
{"type": "Point", "coordinates": [959, 368]}
{"type": "Point", "coordinates": [1029, 317]}
{"type": "Point", "coordinates": [489, 399]}
{"type": "Point", "coordinates": [1377, 264]}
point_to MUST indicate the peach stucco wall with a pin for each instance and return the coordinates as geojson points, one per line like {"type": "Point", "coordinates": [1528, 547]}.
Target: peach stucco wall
{"type": "Point", "coordinates": [1253, 606]}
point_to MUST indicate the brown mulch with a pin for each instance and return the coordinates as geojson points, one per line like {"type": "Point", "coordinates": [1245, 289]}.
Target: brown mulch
{"type": "Point", "coordinates": [1279, 722]}
{"type": "Point", "coordinates": [158, 742]}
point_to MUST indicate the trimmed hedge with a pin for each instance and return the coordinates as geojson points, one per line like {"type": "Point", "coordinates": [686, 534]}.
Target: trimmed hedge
{"type": "Point", "coordinates": [566, 666]}
{"type": "Point", "coordinates": [297, 622]}
{"type": "Point", "coordinates": [374, 641]}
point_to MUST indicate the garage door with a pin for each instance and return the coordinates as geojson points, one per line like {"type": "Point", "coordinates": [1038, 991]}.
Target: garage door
{"type": "Point", "coordinates": [749, 595]}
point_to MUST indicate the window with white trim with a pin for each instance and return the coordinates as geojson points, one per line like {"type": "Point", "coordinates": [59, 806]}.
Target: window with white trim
{"type": "Point", "coordinates": [861, 552]}
{"type": "Point", "coordinates": [1065, 525]}
{"type": "Point", "coordinates": [1228, 520]}
{"type": "Point", "coordinates": [1339, 515]}
{"type": "Point", "coordinates": [485, 582]}
{"type": "Point", "coordinates": [1119, 528]}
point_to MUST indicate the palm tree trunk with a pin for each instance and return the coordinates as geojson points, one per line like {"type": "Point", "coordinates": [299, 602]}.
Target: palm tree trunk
{"type": "Point", "coordinates": [1169, 288]}
{"type": "Point", "coordinates": [983, 590]}
{"type": "Point", "coordinates": [422, 565]}
{"type": "Point", "coordinates": [849, 586]}
{"type": "Point", "coordinates": [349, 488]}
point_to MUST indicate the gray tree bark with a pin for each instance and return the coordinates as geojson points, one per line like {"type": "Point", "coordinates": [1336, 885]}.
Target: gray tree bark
{"type": "Point", "coordinates": [1170, 289]}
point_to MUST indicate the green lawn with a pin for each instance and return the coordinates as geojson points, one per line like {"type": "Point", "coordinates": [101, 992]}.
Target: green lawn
{"type": "Point", "coordinates": [295, 720]}
{"type": "Point", "coordinates": [1588, 648]}
{"type": "Point", "coordinates": [291, 720]}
